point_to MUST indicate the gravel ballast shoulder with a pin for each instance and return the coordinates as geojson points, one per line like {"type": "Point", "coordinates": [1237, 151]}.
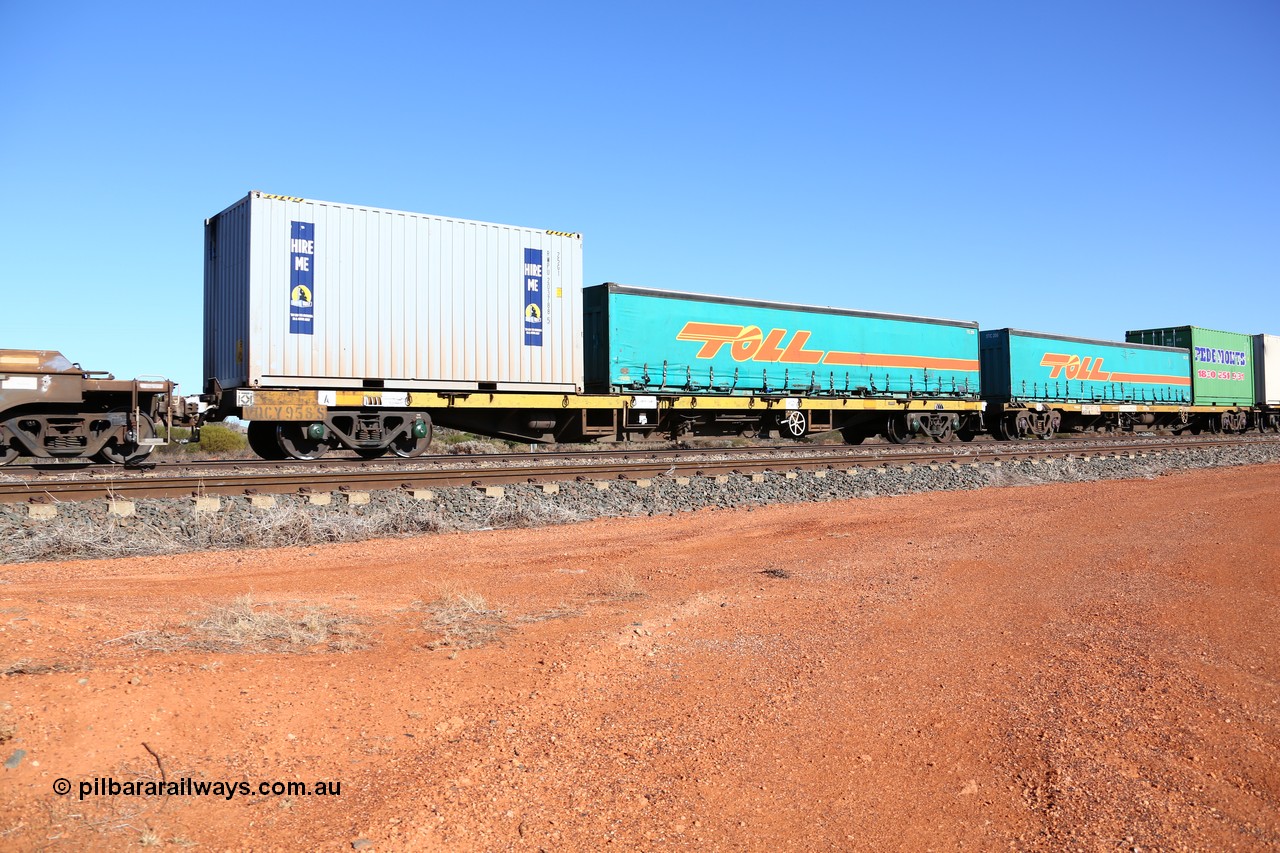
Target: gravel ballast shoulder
{"type": "Point", "coordinates": [161, 526]}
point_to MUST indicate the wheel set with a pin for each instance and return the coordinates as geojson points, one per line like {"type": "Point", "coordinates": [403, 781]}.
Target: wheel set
{"type": "Point", "coordinates": [410, 437]}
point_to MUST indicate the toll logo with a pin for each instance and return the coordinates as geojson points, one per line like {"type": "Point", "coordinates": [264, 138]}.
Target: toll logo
{"type": "Point", "coordinates": [302, 281]}
{"type": "Point", "coordinates": [750, 343]}
{"type": "Point", "coordinates": [753, 343]}
{"type": "Point", "coordinates": [1087, 369]}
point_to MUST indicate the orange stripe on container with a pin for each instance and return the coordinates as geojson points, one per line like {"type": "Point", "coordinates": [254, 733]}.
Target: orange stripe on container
{"type": "Point", "coordinates": [700, 332]}
{"type": "Point", "coordinates": [1152, 378]}
{"type": "Point", "coordinates": [868, 359]}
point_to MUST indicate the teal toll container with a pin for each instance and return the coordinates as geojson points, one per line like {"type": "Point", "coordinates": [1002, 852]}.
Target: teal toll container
{"type": "Point", "coordinates": [660, 341]}
{"type": "Point", "coordinates": [1221, 362]}
{"type": "Point", "coordinates": [1036, 367]}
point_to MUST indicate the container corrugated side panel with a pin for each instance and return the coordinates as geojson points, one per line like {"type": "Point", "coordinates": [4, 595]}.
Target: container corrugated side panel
{"type": "Point", "coordinates": [226, 295]}
{"type": "Point", "coordinates": [664, 340]}
{"type": "Point", "coordinates": [1230, 354]}
{"type": "Point", "coordinates": [1217, 379]}
{"type": "Point", "coordinates": [1266, 369]}
{"type": "Point", "coordinates": [413, 301]}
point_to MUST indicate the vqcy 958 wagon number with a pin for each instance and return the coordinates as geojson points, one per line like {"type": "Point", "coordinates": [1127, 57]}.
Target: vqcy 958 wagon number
{"type": "Point", "coordinates": [283, 413]}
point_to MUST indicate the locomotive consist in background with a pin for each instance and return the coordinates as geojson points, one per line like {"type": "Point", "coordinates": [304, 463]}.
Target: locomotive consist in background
{"type": "Point", "coordinates": [333, 326]}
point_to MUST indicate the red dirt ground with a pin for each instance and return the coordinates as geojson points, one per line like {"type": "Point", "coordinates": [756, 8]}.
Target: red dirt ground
{"type": "Point", "coordinates": [1088, 666]}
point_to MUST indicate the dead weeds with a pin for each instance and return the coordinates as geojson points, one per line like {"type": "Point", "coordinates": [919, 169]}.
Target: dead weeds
{"type": "Point", "coordinates": [248, 626]}
{"type": "Point", "coordinates": [30, 667]}
{"type": "Point", "coordinates": [464, 620]}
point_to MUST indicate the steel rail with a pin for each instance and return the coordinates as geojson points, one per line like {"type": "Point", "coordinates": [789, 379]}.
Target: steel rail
{"type": "Point", "coordinates": [302, 478]}
{"type": "Point", "coordinates": [557, 456]}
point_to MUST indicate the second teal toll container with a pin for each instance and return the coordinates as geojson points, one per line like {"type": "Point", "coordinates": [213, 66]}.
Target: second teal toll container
{"type": "Point", "coordinates": [1034, 366]}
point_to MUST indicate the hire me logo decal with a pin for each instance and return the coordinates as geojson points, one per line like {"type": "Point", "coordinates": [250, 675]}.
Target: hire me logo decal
{"type": "Point", "coordinates": [533, 297]}
{"type": "Point", "coordinates": [302, 278]}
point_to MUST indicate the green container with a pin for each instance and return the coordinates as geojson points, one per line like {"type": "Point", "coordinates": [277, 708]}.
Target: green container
{"type": "Point", "coordinates": [1221, 362]}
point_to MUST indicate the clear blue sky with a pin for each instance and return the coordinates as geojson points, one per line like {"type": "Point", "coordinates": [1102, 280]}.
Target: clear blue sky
{"type": "Point", "coordinates": [1082, 168]}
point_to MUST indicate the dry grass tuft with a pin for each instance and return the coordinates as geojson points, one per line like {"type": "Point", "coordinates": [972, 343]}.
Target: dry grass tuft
{"type": "Point", "coordinates": [530, 513]}
{"type": "Point", "coordinates": [248, 626]}
{"type": "Point", "coordinates": [30, 667]}
{"type": "Point", "coordinates": [465, 621]}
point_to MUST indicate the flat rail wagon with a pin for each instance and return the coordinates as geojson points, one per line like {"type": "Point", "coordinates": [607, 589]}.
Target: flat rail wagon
{"type": "Point", "coordinates": [1222, 383]}
{"type": "Point", "coordinates": [322, 319]}
{"type": "Point", "coordinates": [331, 325]}
{"type": "Point", "coordinates": [860, 372]}
{"type": "Point", "coordinates": [1038, 384]}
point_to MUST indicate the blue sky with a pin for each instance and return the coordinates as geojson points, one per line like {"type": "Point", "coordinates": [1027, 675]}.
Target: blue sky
{"type": "Point", "coordinates": [1080, 168]}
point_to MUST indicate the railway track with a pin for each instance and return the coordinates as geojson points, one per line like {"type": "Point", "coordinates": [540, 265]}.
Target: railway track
{"type": "Point", "coordinates": [983, 444]}
{"type": "Point", "coordinates": [246, 477]}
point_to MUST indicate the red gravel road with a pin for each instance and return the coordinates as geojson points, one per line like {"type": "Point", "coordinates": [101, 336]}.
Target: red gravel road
{"type": "Point", "coordinates": [1088, 666]}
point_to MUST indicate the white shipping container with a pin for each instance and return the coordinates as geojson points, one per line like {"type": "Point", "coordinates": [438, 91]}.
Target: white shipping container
{"type": "Point", "coordinates": [1266, 369]}
{"type": "Point", "coordinates": [312, 294]}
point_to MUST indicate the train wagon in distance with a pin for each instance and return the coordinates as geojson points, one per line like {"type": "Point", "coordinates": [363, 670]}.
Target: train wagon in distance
{"type": "Point", "coordinates": [860, 372]}
{"type": "Point", "coordinates": [1266, 381]}
{"type": "Point", "coordinates": [1222, 384]}
{"type": "Point", "coordinates": [1038, 384]}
